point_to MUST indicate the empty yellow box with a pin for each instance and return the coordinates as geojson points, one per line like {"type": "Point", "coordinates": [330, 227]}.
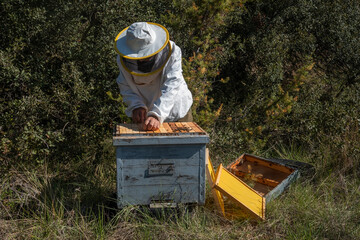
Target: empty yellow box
{"type": "Point", "coordinates": [252, 182]}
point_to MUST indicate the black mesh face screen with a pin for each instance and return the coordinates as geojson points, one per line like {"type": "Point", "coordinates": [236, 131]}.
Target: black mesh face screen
{"type": "Point", "coordinates": [146, 66]}
{"type": "Point", "coordinates": [131, 64]}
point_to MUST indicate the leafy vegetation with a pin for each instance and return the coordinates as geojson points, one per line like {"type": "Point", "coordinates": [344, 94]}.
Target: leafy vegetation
{"type": "Point", "coordinates": [272, 78]}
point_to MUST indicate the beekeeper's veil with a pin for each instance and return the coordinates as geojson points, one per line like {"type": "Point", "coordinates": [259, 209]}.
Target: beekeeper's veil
{"type": "Point", "coordinates": [143, 47]}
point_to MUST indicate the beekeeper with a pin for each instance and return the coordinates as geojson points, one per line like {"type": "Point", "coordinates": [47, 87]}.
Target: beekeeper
{"type": "Point", "coordinates": [150, 80]}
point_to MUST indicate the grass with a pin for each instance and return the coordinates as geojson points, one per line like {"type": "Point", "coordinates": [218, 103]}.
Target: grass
{"type": "Point", "coordinates": [78, 201]}
{"type": "Point", "coordinates": [319, 211]}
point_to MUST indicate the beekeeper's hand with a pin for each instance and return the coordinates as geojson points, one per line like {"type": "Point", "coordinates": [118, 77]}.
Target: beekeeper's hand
{"type": "Point", "coordinates": [139, 115]}
{"type": "Point", "coordinates": [152, 123]}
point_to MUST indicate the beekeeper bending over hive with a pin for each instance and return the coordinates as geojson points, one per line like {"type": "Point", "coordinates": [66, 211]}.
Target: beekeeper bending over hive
{"type": "Point", "coordinates": [150, 80]}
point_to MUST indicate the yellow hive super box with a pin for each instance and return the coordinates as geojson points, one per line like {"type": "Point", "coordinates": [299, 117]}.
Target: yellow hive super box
{"type": "Point", "coordinates": [250, 182]}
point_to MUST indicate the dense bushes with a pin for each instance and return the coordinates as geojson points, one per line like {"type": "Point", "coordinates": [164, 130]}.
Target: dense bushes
{"type": "Point", "coordinates": [294, 79]}
{"type": "Point", "coordinates": [264, 72]}
{"type": "Point", "coordinates": [58, 63]}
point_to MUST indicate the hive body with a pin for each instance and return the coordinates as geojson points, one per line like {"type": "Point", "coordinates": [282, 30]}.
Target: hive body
{"type": "Point", "coordinates": [166, 166]}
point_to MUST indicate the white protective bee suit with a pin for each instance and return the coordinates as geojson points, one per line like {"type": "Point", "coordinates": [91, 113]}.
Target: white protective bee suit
{"type": "Point", "coordinates": [162, 91]}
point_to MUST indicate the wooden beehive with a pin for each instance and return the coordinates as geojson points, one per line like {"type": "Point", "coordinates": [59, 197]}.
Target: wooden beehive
{"type": "Point", "coordinates": [166, 165]}
{"type": "Point", "coordinates": [252, 182]}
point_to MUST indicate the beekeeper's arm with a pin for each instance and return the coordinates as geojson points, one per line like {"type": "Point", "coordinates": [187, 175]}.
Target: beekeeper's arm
{"type": "Point", "coordinates": [172, 80]}
{"type": "Point", "coordinates": [136, 107]}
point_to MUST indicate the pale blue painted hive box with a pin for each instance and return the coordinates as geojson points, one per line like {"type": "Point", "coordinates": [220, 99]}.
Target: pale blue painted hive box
{"type": "Point", "coordinates": [162, 166]}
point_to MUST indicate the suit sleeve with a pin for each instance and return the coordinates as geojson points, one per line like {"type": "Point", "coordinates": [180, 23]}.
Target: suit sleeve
{"type": "Point", "coordinates": [172, 79]}
{"type": "Point", "coordinates": [131, 99]}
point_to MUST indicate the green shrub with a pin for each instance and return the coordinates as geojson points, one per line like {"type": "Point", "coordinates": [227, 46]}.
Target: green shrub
{"type": "Point", "coordinates": [294, 79]}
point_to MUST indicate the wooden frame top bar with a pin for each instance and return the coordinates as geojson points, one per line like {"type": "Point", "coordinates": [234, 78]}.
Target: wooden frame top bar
{"type": "Point", "coordinates": [166, 129]}
{"type": "Point", "coordinates": [128, 134]}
